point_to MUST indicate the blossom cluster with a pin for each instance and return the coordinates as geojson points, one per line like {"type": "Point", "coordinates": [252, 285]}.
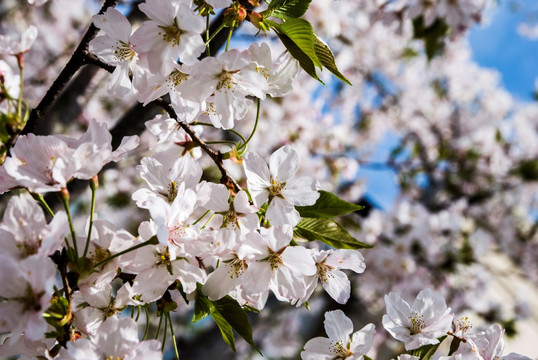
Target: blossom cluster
{"type": "Point", "coordinates": [186, 238]}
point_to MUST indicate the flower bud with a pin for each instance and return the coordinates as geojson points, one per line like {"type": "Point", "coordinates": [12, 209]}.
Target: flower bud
{"type": "Point", "coordinates": [235, 14]}
{"type": "Point", "coordinates": [257, 20]}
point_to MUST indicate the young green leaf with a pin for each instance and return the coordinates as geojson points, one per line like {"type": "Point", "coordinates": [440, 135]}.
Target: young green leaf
{"type": "Point", "coordinates": [327, 231]}
{"type": "Point", "coordinates": [287, 9]}
{"type": "Point", "coordinates": [327, 206]}
{"type": "Point", "coordinates": [306, 63]}
{"type": "Point", "coordinates": [234, 314]}
{"type": "Point", "coordinates": [301, 33]}
{"type": "Point", "coordinates": [227, 314]}
{"type": "Point", "coordinates": [426, 352]}
{"type": "Point", "coordinates": [326, 57]}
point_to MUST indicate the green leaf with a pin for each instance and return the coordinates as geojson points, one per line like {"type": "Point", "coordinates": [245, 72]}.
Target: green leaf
{"type": "Point", "coordinates": [326, 57]}
{"type": "Point", "coordinates": [327, 206]}
{"type": "Point", "coordinates": [234, 314]}
{"type": "Point", "coordinates": [426, 352]}
{"type": "Point", "coordinates": [225, 329]}
{"type": "Point", "coordinates": [301, 33]}
{"type": "Point", "coordinates": [227, 314]}
{"type": "Point", "coordinates": [367, 358]}
{"type": "Point", "coordinates": [306, 63]}
{"type": "Point", "coordinates": [202, 306]}
{"type": "Point", "coordinates": [287, 9]}
{"type": "Point", "coordinates": [327, 231]}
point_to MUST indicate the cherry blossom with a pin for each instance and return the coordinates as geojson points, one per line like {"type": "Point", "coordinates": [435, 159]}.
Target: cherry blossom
{"type": "Point", "coordinates": [279, 186]}
{"type": "Point", "coordinates": [342, 342]}
{"type": "Point", "coordinates": [115, 48]}
{"type": "Point", "coordinates": [116, 338]}
{"type": "Point", "coordinates": [172, 32]}
{"type": "Point", "coordinates": [420, 324]}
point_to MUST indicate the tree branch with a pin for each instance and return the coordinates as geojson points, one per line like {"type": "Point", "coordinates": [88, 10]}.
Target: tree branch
{"type": "Point", "coordinates": [78, 59]}
{"type": "Point", "coordinates": [216, 156]}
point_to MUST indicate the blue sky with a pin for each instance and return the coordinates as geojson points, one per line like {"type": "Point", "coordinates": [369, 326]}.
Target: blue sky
{"type": "Point", "coordinates": [498, 45]}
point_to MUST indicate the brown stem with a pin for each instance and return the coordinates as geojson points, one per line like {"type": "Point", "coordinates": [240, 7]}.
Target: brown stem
{"type": "Point", "coordinates": [216, 156]}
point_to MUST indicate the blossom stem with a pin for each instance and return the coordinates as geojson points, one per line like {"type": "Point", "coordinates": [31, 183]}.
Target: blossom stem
{"type": "Point", "coordinates": [41, 200]}
{"type": "Point", "coordinates": [201, 217]}
{"type": "Point", "coordinates": [238, 134]}
{"type": "Point", "coordinates": [147, 323]}
{"type": "Point", "coordinates": [230, 35]}
{"type": "Point", "coordinates": [215, 34]}
{"type": "Point", "coordinates": [152, 241]}
{"type": "Point", "coordinates": [208, 221]}
{"type": "Point", "coordinates": [93, 187]}
{"type": "Point", "coordinates": [159, 326]}
{"type": "Point", "coordinates": [20, 63]}
{"type": "Point", "coordinates": [138, 313]}
{"type": "Point", "coordinates": [258, 106]}
{"type": "Point", "coordinates": [165, 331]}
{"type": "Point", "coordinates": [64, 195]}
{"type": "Point", "coordinates": [221, 142]}
{"type": "Point", "coordinates": [172, 333]}
{"type": "Point", "coordinates": [207, 49]}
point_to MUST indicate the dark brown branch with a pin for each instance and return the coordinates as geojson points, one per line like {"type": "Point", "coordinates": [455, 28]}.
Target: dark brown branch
{"type": "Point", "coordinates": [78, 59]}
{"type": "Point", "coordinates": [216, 156]}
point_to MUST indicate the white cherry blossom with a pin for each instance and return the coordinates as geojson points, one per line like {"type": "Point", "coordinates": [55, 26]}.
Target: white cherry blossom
{"type": "Point", "coordinates": [420, 324]}
{"type": "Point", "coordinates": [279, 186]}
{"type": "Point", "coordinates": [172, 32]}
{"type": "Point", "coordinates": [342, 343]}
{"type": "Point", "coordinates": [115, 49]}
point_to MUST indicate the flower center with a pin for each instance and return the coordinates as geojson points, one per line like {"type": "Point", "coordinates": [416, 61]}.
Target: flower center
{"type": "Point", "coordinates": [275, 189]}
{"type": "Point", "coordinates": [172, 191]}
{"type": "Point", "coordinates": [171, 33]}
{"type": "Point", "coordinates": [463, 324]}
{"type": "Point", "coordinates": [323, 272]}
{"type": "Point", "coordinates": [123, 51]}
{"type": "Point", "coordinates": [237, 267]}
{"type": "Point", "coordinates": [98, 255]}
{"type": "Point", "coordinates": [30, 247]}
{"type": "Point", "coordinates": [176, 77]}
{"type": "Point", "coordinates": [417, 322]}
{"type": "Point", "coordinates": [230, 219]}
{"type": "Point", "coordinates": [275, 259]}
{"type": "Point", "coordinates": [341, 351]}
{"type": "Point", "coordinates": [226, 79]}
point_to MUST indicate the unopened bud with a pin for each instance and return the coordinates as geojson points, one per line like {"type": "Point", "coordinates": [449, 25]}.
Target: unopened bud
{"type": "Point", "coordinates": [94, 182]}
{"type": "Point", "coordinates": [235, 14]}
{"type": "Point", "coordinates": [254, 2]}
{"type": "Point", "coordinates": [64, 193]}
{"type": "Point", "coordinates": [257, 20]}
